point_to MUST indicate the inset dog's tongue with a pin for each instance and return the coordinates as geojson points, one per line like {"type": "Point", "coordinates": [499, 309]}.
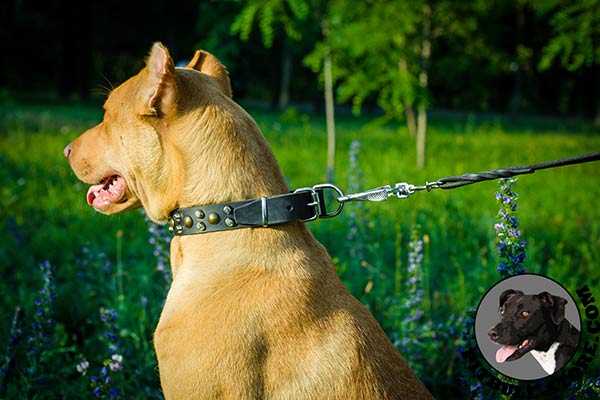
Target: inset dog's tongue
{"type": "Point", "coordinates": [504, 352]}
{"type": "Point", "coordinates": [111, 190]}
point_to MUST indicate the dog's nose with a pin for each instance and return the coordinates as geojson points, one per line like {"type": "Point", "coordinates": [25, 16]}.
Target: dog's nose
{"type": "Point", "coordinates": [493, 334]}
{"type": "Point", "coordinates": [67, 150]}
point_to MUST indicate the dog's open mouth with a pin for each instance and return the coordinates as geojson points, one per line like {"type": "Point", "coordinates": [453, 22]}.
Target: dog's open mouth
{"type": "Point", "coordinates": [109, 191]}
{"type": "Point", "coordinates": [510, 353]}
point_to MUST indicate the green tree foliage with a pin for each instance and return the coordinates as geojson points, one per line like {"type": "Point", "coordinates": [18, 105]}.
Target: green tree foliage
{"type": "Point", "coordinates": [575, 40]}
{"type": "Point", "coordinates": [271, 15]}
{"type": "Point", "coordinates": [281, 22]}
{"type": "Point", "coordinates": [369, 41]}
{"type": "Point", "coordinates": [382, 51]}
{"type": "Point", "coordinates": [525, 56]}
{"type": "Point", "coordinates": [212, 33]}
{"type": "Point", "coordinates": [289, 14]}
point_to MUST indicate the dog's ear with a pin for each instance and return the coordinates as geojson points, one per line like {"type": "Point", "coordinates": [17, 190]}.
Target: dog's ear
{"type": "Point", "coordinates": [555, 304]}
{"type": "Point", "coordinates": [159, 90]}
{"type": "Point", "coordinates": [507, 294]}
{"type": "Point", "coordinates": [208, 64]}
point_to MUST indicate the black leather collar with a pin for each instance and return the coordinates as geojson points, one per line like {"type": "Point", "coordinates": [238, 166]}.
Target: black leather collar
{"type": "Point", "coordinates": [304, 204]}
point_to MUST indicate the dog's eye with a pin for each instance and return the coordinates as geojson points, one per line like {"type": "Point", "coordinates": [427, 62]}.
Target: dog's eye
{"type": "Point", "coordinates": [525, 313]}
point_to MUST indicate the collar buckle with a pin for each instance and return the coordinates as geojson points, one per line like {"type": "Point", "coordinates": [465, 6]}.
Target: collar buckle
{"type": "Point", "coordinates": [319, 204]}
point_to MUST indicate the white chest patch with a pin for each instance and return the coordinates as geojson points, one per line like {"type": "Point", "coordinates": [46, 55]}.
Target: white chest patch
{"type": "Point", "coordinates": [547, 359]}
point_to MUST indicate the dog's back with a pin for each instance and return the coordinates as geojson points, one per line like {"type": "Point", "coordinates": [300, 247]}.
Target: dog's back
{"type": "Point", "coordinates": [296, 330]}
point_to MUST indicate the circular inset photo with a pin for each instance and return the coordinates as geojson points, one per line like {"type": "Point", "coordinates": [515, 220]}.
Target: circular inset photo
{"type": "Point", "coordinates": [527, 327]}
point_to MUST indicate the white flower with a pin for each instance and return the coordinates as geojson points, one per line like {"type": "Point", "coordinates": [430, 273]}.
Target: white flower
{"type": "Point", "coordinates": [82, 367]}
{"type": "Point", "coordinates": [117, 364]}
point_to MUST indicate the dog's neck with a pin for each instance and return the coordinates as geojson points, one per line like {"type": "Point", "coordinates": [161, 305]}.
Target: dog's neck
{"type": "Point", "coordinates": [235, 164]}
{"type": "Point", "coordinates": [226, 160]}
{"type": "Point", "coordinates": [225, 251]}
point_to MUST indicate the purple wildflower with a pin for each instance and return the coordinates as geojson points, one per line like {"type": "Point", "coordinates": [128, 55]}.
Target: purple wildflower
{"type": "Point", "coordinates": [472, 386]}
{"type": "Point", "coordinates": [160, 239]}
{"type": "Point", "coordinates": [108, 317]}
{"type": "Point", "coordinates": [104, 383]}
{"type": "Point", "coordinates": [42, 326]}
{"type": "Point", "coordinates": [15, 335]}
{"type": "Point", "coordinates": [412, 314]}
{"type": "Point", "coordinates": [113, 393]}
{"type": "Point", "coordinates": [356, 236]}
{"type": "Point", "coordinates": [510, 248]}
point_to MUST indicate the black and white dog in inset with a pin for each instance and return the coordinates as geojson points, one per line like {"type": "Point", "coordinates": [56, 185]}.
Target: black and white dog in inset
{"type": "Point", "coordinates": [534, 323]}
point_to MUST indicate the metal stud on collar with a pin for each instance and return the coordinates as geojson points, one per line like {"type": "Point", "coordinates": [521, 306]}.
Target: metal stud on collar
{"type": "Point", "coordinates": [198, 220]}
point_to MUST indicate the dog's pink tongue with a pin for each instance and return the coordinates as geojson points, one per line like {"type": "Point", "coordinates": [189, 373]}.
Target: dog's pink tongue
{"type": "Point", "coordinates": [103, 195]}
{"type": "Point", "coordinates": [504, 352]}
{"type": "Point", "coordinates": [91, 194]}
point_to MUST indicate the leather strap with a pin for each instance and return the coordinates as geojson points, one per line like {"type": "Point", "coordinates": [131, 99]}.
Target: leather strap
{"type": "Point", "coordinates": [301, 205]}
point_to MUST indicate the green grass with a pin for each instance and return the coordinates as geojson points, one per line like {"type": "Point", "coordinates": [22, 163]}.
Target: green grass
{"type": "Point", "coordinates": [44, 216]}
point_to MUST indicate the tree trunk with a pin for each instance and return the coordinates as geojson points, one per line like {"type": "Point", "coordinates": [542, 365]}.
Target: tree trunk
{"type": "Point", "coordinates": [329, 107]}
{"type": "Point", "coordinates": [408, 103]}
{"type": "Point", "coordinates": [286, 73]}
{"type": "Point", "coordinates": [330, 117]}
{"type": "Point", "coordinates": [423, 83]}
{"type": "Point", "coordinates": [411, 122]}
{"type": "Point", "coordinates": [421, 133]}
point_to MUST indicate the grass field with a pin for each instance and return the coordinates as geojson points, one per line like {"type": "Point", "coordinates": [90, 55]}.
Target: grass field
{"type": "Point", "coordinates": [110, 263]}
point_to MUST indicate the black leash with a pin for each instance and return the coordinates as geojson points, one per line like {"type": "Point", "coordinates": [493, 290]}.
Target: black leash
{"type": "Point", "coordinates": [403, 190]}
{"type": "Point", "coordinates": [451, 182]}
{"type": "Point", "coordinates": [308, 204]}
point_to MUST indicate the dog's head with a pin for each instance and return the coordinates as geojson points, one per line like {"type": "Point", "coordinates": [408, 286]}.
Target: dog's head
{"type": "Point", "coordinates": [528, 322]}
{"type": "Point", "coordinates": [167, 136]}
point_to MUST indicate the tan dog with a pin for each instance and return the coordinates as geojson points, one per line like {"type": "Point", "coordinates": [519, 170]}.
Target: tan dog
{"type": "Point", "coordinates": [251, 313]}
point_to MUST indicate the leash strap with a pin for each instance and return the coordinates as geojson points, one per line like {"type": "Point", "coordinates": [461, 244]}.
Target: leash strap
{"type": "Point", "coordinates": [451, 182]}
{"type": "Point", "coordinates": [308, 204]}
{"type": "Point", "coordinates": [404, 190]}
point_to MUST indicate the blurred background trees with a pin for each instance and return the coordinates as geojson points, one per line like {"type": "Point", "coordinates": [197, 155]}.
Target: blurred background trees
{"type": "Point", "coordinates": [520, 56]}
{"type": "Point", "coordinates": [398, 58]}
